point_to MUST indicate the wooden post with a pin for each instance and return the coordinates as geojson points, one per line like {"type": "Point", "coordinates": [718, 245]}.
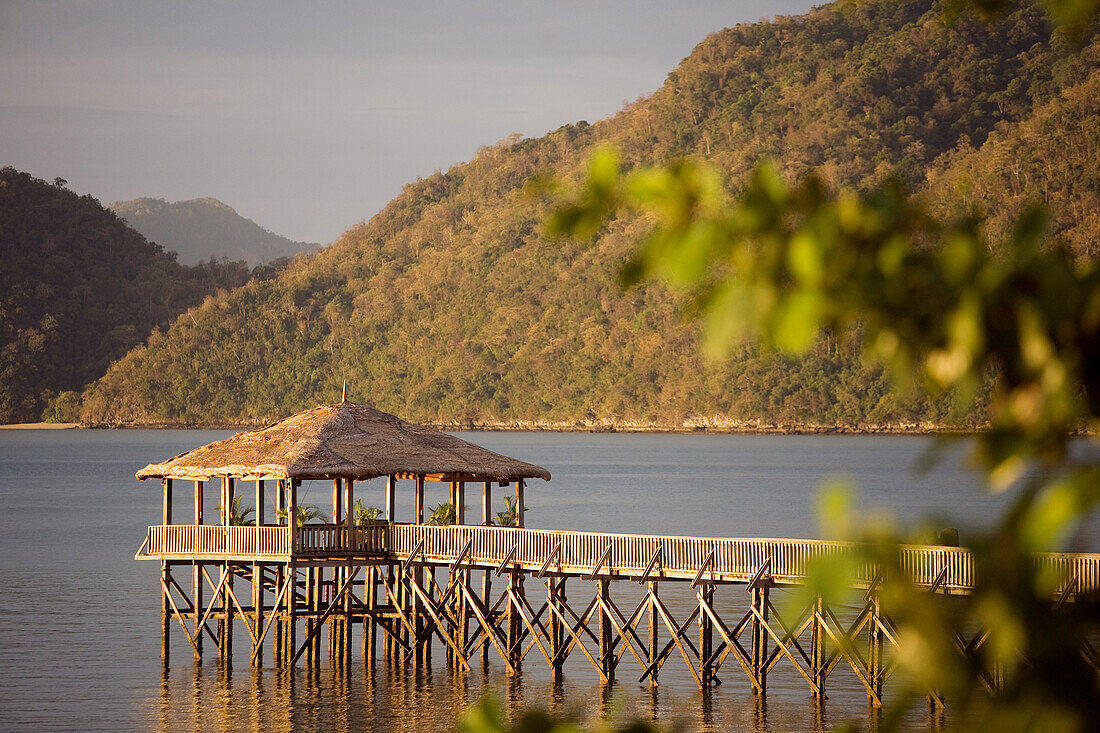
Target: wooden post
{"type": "Point", "coordinates": [336, 503]}
{"type": "Point", "coordinates": [196, 571]}
{"type": "Point", "coordinates": [653, 638]}
{"type": "Point", "coordinates": [460, 503]}
{"type": "Point", "coordinates": [486, 502]}
{"type": "Point", "coordinates": [521, 508]}
{"type": "Point", "coordinates": [391, 495]}
{"type": "Point", "coordinates": [349, 504]}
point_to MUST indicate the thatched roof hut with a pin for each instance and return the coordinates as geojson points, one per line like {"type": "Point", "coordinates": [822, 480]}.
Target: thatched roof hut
{"type": "Point", "coordinates": [343, 441]}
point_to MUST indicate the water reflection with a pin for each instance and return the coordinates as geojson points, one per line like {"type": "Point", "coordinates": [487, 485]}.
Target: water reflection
{"type": "Point", "coordinates": [212, 698]}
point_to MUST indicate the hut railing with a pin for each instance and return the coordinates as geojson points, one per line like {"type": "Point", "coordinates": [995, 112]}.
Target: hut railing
{"type": "Point", "coordinates": [337, 538]}
{"type": "Point", "coordinates": [217, 539]}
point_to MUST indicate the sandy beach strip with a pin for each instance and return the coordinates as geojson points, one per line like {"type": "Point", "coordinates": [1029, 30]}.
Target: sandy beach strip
{"type": "Point", "coordinates": [41, 426]}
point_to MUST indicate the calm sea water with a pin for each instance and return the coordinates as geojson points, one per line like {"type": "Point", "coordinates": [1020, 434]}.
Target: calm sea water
{"type": "Point", "coordinates": [79, 618]}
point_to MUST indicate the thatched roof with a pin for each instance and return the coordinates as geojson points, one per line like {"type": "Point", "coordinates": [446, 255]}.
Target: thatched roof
{"type": "Point", "coordinates": [343, 441]}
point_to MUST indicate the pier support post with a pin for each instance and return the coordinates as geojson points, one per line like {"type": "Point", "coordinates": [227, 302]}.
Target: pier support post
{"type": "Point", "coordinates": [817, 648]}
{"type": "Point", "coordinates": [760, 603]}
{"type": "Point", "coordinates": [555, 596]}
{"type": "Point", "coordinates": [291, 635]}
{"type": "Point", "coordinates": [311, 583]}
{"type": "Point", "coordinates": [606, 630]}
{"type": "Point", "coordinates": [515, 653]}
{"type": "Point", "coordinates": [166, 576]}
{"type": "Point", "coordinates": [256, 650]}
{"type": "Point", "coordinates": [368, 613]}
{"type": "Point", "coordinates": [654, 652]}
{"type": "Point", "coordinates": [486, 593]}
{"type": "Point", "coordinates": [165, 615]}
{"type": "Point", "coordinates": [874, 657]}
{"type": "Point", "coordinates": [196, 580]}
{"type": "Point", "coordinates": [705, 596]}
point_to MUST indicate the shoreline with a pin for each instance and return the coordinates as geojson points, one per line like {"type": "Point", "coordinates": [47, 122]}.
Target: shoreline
{"type": "Point", "coordinates": [41, 426]}
{"type": "Point", "coordinates": [540, 427]}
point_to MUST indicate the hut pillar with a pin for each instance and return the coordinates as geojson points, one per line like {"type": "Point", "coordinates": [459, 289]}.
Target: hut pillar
{"type": "Point", "coordinates": [460, 502]}
{"type": "Point", "coordinates": [486, 501]}
{"type": "Point", "coordinates": [520, 508]}
{"type": "Point", "coordinates": [418, 513]}
{"type": "Point", "coordinates": [391, 496]}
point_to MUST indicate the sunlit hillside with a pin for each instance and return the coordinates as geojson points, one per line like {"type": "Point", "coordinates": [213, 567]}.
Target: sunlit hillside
{"type": "Point", "coordinates": [451, 305]}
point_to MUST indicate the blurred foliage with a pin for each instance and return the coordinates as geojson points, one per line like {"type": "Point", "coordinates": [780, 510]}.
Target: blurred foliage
{"type": "Point", "coordinates": [944, 308]}
{"type": "Point", "coordinates": [949, 303]}
{"type": "Point", "coordinates": [79, 289]}
{"type": "Point", "coordinates": [451, 307]}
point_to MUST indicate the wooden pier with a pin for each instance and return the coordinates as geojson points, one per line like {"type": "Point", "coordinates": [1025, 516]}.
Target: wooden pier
{"type": "Point", "coordinates": [392, 591]}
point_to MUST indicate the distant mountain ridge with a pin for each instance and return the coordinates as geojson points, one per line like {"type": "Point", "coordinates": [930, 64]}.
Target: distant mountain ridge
{"type": "Point", "coordinates": [199, 229]}
{"type": "Point", "coordinates": [78, 289]}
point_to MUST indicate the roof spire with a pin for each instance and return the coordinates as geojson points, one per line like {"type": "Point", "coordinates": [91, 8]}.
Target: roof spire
{"type": "Point", "coordinates": [344, 393]}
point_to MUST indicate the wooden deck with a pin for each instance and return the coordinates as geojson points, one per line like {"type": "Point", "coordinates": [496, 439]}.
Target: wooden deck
{"type": "Point", "coordinates": [579, 554]}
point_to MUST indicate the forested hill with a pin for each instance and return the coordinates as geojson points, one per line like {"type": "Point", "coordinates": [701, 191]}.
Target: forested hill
{"type": "Point", "coordinates": [202, 229]}
{"type": "Point", "coordinates": [78, 289]}
{"type": "Point", "coordinates": [450, 306]}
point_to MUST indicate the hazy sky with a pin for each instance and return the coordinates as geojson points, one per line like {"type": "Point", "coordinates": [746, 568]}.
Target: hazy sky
{"type": "Point", "coordinates": [309, 116]}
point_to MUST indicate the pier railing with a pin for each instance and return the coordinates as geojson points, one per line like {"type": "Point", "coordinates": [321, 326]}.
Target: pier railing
{"type": "Point", "coordinates": [787, 561]}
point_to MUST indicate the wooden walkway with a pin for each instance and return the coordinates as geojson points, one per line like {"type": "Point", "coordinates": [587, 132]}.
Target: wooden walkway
{"type": "Point", "coordinates": [579, 554]}
{"type": "Point", "coordinates": [467, 589]}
